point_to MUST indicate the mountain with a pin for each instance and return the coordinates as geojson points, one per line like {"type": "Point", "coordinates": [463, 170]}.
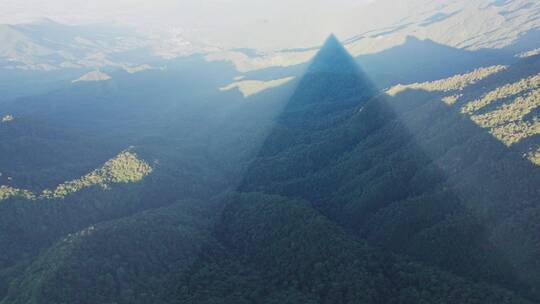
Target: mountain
{"type": "Point", "coordinates": [48, 45]}
{"type": "Point", "coordinates": [42, 56]}
{"type": "Point", "coordinates": [331, 88]}
{"type": "Point", "coordinates": [332, 58]}
{"type": "Point", "coordinates": [75, 136]}
{"type": "Point", "coordinates": [474, 25]}
{"type": "Point", "coordinates": [324, 190]}
{"type": "Point", "coordinates": [332, 82]}
{"type": "Point", "coordinates": [33, 148]}
{"type": "Point", "coordinates": [368, 29]}
{"type": "Point", "coordinates": [249, 260]}
{"type": "Point", "coordinates": [406, 170]}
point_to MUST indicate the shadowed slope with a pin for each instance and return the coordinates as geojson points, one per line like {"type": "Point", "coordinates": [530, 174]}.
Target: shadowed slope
{"type": "Point", "coordinates": [408, 168]}
{"type": "Point", "coordinates": [326, 95]}
{"type": "Point", "coordinates": [332, 82]}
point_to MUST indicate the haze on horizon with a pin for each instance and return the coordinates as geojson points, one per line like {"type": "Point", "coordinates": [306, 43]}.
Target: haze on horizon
{"type": "Point", "coordinates": [244, 23]}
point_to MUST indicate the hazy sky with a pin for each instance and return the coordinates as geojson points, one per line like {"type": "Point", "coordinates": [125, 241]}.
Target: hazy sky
{"type": "Point", "coordinates": [257, 21]}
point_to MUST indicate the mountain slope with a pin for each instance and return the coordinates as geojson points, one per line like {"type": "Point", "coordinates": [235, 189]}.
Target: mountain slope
{"type": "Point", "coordinates": [132, 260]}
{"type": "Point", "coordinates": [296, 248]}
{"type": "Point", "coordinates": [412, 167]}
{"type": "Point", "coordinates": [264, 249]}
{"type": "Point", "coordinates": [324, 97]}
{"type": "Point", "coordinates": [332, 82]}
{"type": "Point", "coordinates": [404, 196]}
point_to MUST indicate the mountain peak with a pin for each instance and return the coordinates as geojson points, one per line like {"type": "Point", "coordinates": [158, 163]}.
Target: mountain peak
{"type": "Point", "coordinates": [331, 40]}
{"type": "Point", "coordinates": [333, 82]}
{"type": "Point", "coordinates": [333, 57]}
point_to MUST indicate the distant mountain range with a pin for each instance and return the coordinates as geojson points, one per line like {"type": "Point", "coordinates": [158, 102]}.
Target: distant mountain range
{"type": "Point", "coordinates": [470, 25]}
{"type": "Point", "coordinates": [48, 45]}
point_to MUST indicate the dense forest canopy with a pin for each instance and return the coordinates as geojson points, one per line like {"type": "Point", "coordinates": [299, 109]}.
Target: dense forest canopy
{"type": "Point", "coordinates": [339, 180]}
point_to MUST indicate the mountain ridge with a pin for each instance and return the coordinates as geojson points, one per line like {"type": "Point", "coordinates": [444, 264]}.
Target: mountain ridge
{"type": "Point", "coordinates": [328, 192]}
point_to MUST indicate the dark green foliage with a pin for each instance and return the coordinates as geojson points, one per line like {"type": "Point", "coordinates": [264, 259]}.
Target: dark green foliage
{"type": "Point", "coordinates": [268, 250]}
{"type": "Point", "coordinates": [57, 159]}
{"type": "Point", "coordinates": [412, 175]}
{"type": "Point", "coordinates": [295, 247]}
{"type": "Point", "coordinates": [132, 260]}
{"type": "Point", "coordinates": [353, 197]}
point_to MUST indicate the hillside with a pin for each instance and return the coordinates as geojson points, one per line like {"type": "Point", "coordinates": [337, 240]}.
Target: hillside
{"type": "Point", "coordinates": [249, 260]}
{"type": "Point", "coordinates": [415, 171]}
{"type": "Point", "coordinates": [322, 189]}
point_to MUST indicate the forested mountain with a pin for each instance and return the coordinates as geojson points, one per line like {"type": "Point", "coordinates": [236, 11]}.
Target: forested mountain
{"type": "Point", "coordinates": [157, 187]}
{"type": "Point", "coordinates": [410, 170]}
